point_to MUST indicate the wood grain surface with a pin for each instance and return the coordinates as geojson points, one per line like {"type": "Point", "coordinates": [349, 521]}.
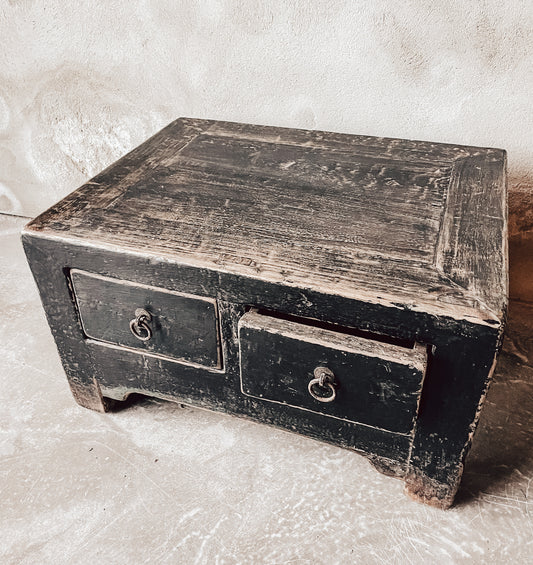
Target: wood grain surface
{"type": "Point", "coordinates": [353, 250]}
{"type": "Point", "coordinates": [365, 218]}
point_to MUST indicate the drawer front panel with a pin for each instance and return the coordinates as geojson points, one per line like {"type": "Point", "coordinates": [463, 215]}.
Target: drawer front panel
{"type": "Point", "coordinates": [180, 326]}
{"type": "Point", "coordinates": [374, 383]}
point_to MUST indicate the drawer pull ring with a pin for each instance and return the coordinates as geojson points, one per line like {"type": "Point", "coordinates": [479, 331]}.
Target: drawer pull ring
{"type": "Point", "coordinates": [139, 325]}
{"type": "Point", "coordinates": [325, 379]}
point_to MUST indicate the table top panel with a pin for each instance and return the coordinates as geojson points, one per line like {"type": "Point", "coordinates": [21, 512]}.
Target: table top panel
{"type": "Point", "coordinates": [408, 223]}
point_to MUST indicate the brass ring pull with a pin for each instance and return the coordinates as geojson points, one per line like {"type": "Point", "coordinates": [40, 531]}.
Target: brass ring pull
{"type": "Point", "coordinates": [324, 379]}
{"type": "Point", "coordinates": [139, 325]}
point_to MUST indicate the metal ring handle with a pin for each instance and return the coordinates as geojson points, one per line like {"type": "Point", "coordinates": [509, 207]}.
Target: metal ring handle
{"type": "Point", "coordinates": [329, 398]}
{"type": "Point", "coordinates": [324, 378]}
{"type": "Point", "coordinates": [139, 325]}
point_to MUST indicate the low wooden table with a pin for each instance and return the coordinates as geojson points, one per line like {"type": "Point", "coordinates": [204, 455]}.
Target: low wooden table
{"type": "Point", "coordinates": [349, 288]}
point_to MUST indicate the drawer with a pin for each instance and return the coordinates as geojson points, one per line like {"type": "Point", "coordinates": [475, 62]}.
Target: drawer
{"type": "Point", "coordinates": [148, 319]}
{"type": "Point", "coordinates": [333, 374]}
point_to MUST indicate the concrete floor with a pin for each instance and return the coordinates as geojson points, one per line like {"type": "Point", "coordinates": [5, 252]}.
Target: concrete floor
{"type": "Point", "coordinates": [158, 483]}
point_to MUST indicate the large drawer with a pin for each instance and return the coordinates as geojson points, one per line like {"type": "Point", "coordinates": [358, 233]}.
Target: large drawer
{"type": "Point", "coordinates": [330, 373]}
{"type": "Point", "coordinates": [148, 319]}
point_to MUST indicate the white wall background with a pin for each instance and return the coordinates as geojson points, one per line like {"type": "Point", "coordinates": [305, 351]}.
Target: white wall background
{"type": "Point", "coordinates": [83, 82]}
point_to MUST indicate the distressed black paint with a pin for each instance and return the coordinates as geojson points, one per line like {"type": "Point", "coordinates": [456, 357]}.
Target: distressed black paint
{"type": "Point", "coordinates": [376, 383]}
{"type": "Point", "coordinates": [401, 238]}
{"type": "Point", "coordinates": [183, 326]}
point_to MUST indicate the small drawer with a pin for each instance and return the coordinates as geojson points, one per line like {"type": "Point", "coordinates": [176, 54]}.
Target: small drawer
{"type": "Point", "coordinates": [330, 373]}
{"type": "Point", "coordinates": [149, 319]}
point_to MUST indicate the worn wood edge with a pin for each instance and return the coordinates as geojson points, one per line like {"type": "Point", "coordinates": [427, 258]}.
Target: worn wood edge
{"type": "Point", "coordinates": [415, 357]}
{"type": "Point", "coordinates": [86, 392]}
{"type": "Point", "coordinates": [219, 127]}
{"type": "Point", "coordinates": [388, 467]}
{"type": "Point", "coordinates": [426, 490]}
{"type": "Point", "coordinates": [494, 310]}
{"type": "Point", "coordinates": [459, 313]}
{"type": "Point", "coordinates": [474, 424]}
{"type": "Point", "coordinates": [91, 396]}
{"type": "Point", "coordinates": [191, 128]}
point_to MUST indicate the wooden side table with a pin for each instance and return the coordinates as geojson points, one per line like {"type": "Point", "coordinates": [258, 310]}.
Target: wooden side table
{"type": "Point", "coordinates": [349, 288]}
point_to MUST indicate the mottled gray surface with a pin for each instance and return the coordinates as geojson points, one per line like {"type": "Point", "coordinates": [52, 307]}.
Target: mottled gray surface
{"type": "Point", "coordinates": [82, 82]}
{"type": "Point", "coordinates": [158, 483]}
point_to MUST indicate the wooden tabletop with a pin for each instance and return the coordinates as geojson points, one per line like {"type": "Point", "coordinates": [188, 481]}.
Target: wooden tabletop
{"type": "Point", "coordinates": [408, 224]}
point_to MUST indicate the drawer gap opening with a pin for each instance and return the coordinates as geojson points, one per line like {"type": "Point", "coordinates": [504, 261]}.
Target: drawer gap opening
{"type": "Point", "coordinates": [401, 342]}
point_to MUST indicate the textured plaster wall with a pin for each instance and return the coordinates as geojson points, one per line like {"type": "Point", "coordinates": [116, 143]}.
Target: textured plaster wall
{"type": "Point", "coordinates": [83, 82]}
